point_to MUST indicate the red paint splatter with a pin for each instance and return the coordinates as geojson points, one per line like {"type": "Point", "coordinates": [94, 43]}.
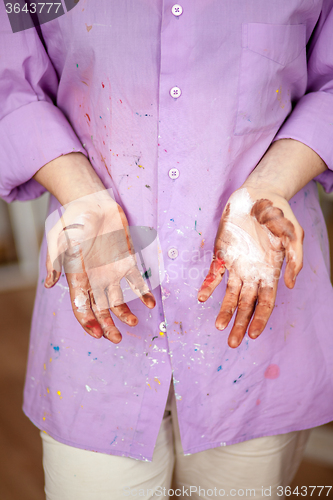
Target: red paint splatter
{"type": "Point", "coordinates": [103, 85]}
{"type": "Point", "coordinates": [216, 267]}
{"type": "Point", "coordinates": [121, 101]}
{"type": "Point", "coordinates": [258, 402]}
{"type": "Point", "coordinates": [105, 165]}
{"type": "Point", "coordinates": [272, 372]}
{"type": "Point", "coordinates": [87, 116]}
{"type": "Point", "coordinates": [94, 327]}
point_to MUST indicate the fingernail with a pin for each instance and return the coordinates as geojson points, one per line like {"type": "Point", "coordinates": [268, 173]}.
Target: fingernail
{"type": "Point", "coordinates": [48, 280]}
{"type": "Point", "coordinates": [234, 343]}
{"type": "Point", "coordinates": [221, 327]}
{"type": "Point", "coordinates": [113, 335]}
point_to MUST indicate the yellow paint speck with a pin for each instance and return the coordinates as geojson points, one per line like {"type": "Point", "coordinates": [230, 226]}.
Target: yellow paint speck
{"type": "Point", "coordinates": [47, 390]}
{"type": "Point", "coordinates": [43, 418]}
{"type": "Point", "coordinates": [54, 314]}
{"type": "Point", "coordinates": [59, 394]}
{"type": "Point", "coordinates": [202, 243]}
{"type": "Point", "coordinates": [277, 91]}
{"type": "Point", "coordinates": [148, 385]}
{"type": "Point", "coordinates": [44, 366]}
{"type": "Point", "coordinates": [161, 333]}
{"type": "Point", "coordinates": [50, 360]}
{"type": "Point", "coordinates": [140, 166]}
{"type": "Point", "coordinates": [158, 381]}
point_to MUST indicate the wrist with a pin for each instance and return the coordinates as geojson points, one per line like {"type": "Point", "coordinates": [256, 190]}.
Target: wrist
{"type": "Point", "coordinates": [69, 177]}
{"type": "Point", "coordinates": [287, 166]}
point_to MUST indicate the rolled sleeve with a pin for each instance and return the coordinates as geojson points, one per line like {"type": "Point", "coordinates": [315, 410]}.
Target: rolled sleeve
{"type": "Point", "coordinates": [311, 121]}
{"type": "Point", "coordinates": [33, 130]}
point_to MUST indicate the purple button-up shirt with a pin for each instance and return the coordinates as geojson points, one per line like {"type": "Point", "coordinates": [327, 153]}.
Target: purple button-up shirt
{"type": "Point", "coordinates": [174, 112]}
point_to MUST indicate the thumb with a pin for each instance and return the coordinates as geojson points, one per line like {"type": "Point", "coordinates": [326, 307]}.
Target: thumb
{"type": "Point", "coordinates": [288, 230]}
{"type": "Point", "coordinates": [52, 274]}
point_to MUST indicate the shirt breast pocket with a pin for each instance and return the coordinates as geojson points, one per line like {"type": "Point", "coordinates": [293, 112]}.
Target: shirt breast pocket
{"type": "Point", "coordinates": [273, 74]}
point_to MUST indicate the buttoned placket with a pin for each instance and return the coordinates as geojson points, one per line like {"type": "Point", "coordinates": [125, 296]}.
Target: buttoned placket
{"type": "Point", "coordinates": [171, 94]}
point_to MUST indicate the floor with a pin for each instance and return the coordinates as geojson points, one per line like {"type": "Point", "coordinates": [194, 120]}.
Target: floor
{"type": "Point", "coordinates": [21, 475]}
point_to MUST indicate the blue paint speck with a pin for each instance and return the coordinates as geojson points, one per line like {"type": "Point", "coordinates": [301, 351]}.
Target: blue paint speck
{"type": "Point", "coordinates": [219, 368]}
{"type": "Point", "coordinates": [114, 440]}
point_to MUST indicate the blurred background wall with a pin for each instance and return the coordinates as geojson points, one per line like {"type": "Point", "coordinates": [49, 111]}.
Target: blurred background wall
{"type": "Point", "coordinates": [21, 474]}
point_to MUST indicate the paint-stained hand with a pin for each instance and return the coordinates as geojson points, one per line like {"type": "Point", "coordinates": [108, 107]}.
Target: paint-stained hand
{"type": "Point", "coordinates": [257, 231]}
{"type": "Point", "coordinates": [92, 243]}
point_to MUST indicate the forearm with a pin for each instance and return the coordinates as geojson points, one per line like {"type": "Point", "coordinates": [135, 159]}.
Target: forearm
{"type": "Point", "coordinates": [286, 168]}
{"type": "Point", "coordinates": [69, 177]}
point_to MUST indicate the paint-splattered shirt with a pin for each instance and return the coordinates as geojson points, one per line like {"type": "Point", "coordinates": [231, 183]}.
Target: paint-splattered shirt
{"type": "Point", "coordinates": [174, 110]}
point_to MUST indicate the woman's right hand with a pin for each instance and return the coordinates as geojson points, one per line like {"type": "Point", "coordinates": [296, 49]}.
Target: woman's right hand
{"type": "Point", "coordinates": [92, 243]}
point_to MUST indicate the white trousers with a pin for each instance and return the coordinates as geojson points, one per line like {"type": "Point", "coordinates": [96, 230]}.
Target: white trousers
{"type": "Point", "coordinates": [259, 468]}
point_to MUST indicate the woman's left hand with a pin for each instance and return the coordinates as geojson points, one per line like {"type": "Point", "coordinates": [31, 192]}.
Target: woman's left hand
{"type": "Point", "coordinates": [257, 231]}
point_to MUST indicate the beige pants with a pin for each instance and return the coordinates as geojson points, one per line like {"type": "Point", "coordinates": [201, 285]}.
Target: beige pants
{"type": "Point", "coordinates": [258, 468]}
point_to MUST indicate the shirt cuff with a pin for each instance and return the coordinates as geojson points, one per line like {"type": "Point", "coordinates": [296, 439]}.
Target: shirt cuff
{"type": "Point", "coordinates": [32, 136]}
{"type": "Point", "coordinates": [311, 123]}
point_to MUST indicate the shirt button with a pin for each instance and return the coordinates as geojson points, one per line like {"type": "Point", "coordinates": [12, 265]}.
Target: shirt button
{"type": "Point", "coordinates": [175, 92]}
{"type": "Point", "coordinates": [163, 327]}
{"type": "Point", "coordinates": [174, 173]}
{"type": "Point", "coordinates": [177, 10]}
{"type": "Point", "coordinates": [173, 253]}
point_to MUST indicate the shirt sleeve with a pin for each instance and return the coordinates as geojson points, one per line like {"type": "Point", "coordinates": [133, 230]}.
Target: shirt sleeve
{"type": "Point", "coordinates": [33, 130]}
{"type": "Point", "coordinates": [311, 121]}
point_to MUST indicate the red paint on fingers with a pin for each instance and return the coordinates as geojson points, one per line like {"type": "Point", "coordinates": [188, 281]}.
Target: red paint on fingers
{"type": "Point", "coordinates": [215, 274]}
{"type": "Point", "coordinates": [217, 267]}
{"type": "Point", "coordinates": [93, 328]}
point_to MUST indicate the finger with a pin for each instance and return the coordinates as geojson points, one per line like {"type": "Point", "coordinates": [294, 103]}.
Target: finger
{"type": "Point", "coordinates": [264, 308]}
{"type": "Point", "coordinates": [246, 305]}
{"type": "Point", "coordinates": [53, 242]}
{"type": "Point", "coordinates": [114, 295]}
{"type": "Point", "coordinates": [52, 274]}
{"type": "Point", "coordinates": [213, 279]}
{"type": "Point", "coordinates": [103, 317]}
{"type": "Point", "coordinates": [140, 287]}
{"type": "Point", "coordinates": [118, 306]}
{"type": "Point", "coordinates": [79, 293]}
{"type": "Point", "coordinates": [125, 315]}
{"type": "Point", "coordinates": [229, 302]}
{"type": "Point", "coordinates": [294, 258]}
